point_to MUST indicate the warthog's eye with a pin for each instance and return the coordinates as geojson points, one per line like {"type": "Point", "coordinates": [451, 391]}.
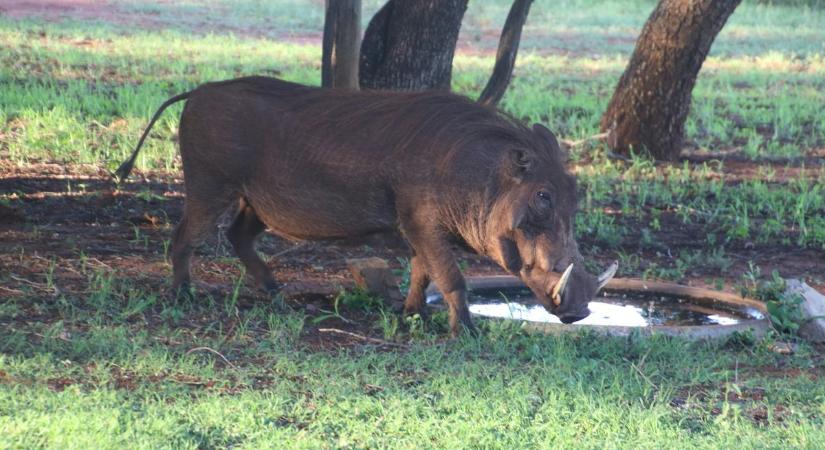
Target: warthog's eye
{"type": "Point", "coordinates": [543, 200]}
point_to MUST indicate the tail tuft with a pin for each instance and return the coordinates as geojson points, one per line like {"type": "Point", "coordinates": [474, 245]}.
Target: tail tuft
{"type": "Point", "coordinates": [122, 172]}
{"type": "Point", "coordinates": [125, 169]}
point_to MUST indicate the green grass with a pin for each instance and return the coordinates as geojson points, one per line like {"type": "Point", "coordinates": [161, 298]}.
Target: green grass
{"type": "Point", "coordinates": [100, 378]}
{"type": "Point", "coordinates": [113, 364]}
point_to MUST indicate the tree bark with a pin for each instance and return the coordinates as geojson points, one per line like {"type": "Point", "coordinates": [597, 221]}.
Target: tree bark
{"type": "Point", "coordinates": [342, 39]}
{"type": "Point", "coordinates": [409, 45]}
{"type": "Point", "coordinates": [650, 104]}
{"type": "Point", "coordinates": [507, 52]}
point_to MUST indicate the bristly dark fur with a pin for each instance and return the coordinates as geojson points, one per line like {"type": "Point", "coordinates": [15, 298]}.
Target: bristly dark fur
{"type": "Point", "coordinates": [311, 163]}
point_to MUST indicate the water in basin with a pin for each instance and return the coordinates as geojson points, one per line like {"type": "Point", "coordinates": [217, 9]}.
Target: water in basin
{"type": "Point", "coordinates": [636, 310]}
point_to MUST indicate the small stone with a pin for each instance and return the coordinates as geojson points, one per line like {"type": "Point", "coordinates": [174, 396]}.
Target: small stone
{"type": "Point", "coordinates": [813, 310]}
{"type": "Point", "coordinates": [374, 276]}
{"type": "Point", "coordinates": [783, 348]}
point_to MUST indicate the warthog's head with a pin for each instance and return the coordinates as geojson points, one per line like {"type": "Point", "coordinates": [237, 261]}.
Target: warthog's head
{"type": "Point", "coordinates": [531, 232]}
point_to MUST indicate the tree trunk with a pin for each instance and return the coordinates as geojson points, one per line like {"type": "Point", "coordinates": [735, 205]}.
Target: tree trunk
{"type": "Point", "coordinates": [409, 45]}
{"type": "Point", "coordinates": [342, 38]}
{"type": "Point", "coordinates": [506, 55]}
{"type": "Point", "coordinates": [648, 110]}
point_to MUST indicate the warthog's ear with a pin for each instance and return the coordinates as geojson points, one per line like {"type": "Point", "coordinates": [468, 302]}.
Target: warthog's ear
{"type": "Point", "coordinates": [521, 158]}
{"type": "Point", "coordinates": [520, 162]}
{"type": "Point", "coordinates": [546, 135]}
{"type": "Point", "coordinates": [510, 258]}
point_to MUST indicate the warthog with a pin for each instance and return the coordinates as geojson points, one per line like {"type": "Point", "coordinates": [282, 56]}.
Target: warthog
{"type": "Point", "coordinates": [320, 164]}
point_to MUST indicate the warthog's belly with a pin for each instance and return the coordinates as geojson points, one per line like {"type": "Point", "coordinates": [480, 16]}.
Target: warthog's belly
{"type": "Point", "coordinates": [299, 215]}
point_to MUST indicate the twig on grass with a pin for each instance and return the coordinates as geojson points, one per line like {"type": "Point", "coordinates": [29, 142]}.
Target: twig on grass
{"type": "Point", "coordinates": [736, 373]}
{"type": "Point", "coordinates": [360, 337]}
{"type": "Point", "coordinates": [98, 262]}
{"type": "Point", "coordinates": [166, 340]}
{"type": "Point", "coordinates": [570, 144]}
{"type": "Point", "coordinates": [639, 369]}
{"type": "Point", "coordinates": [54, 290]}
{"type": "Point", "coordinates": [207, 349]}
{"type": "Point", "coordinates": [13, 291]}
{"type": "Point", "coordinates": [330, 315]}
{"type": "Point", "coordinates": [290, 249]}
{"type": "Point", "coordinates": [58, 337]}
{"type": "Point", "coordinates": [652, 384]}
{"type": "Point", "coordinates": [690, 209]}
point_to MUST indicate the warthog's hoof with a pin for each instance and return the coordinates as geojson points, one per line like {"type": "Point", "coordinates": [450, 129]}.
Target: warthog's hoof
{"type": "Point", "coordinates": [182, 293]}
{"type": "Point", "coordinates": [466, 328]}
{"type": "Point", "coordinates": [273, 291]}
{"type": "Point", "coordinates": [271, 287]}
{"type": "Point", "coordinates": [421, 311]}
{"type": "Point", "coordinates": [463, 324]}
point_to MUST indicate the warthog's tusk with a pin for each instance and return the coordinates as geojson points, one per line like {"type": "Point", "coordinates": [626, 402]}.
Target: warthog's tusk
{"type": "Point", "coordinates": [558, 290]}
{"type": "Point", "coordinates": [607, 275]}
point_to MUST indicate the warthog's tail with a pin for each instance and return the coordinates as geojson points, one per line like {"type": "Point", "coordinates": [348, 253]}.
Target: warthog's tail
{"type": "Point", "coordinates": [123, 171]}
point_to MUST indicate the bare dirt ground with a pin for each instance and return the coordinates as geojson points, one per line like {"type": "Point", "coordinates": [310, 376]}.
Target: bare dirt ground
{"type": "Point", "coordinates": [56, 10]}
{"type": "Point", "coordinates": [109, 12]}
{"type": "Point", "coordinates": [480, 43]}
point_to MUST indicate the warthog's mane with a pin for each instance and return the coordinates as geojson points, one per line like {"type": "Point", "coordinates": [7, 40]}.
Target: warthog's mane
{"type": "Point", "coordinates": [434, 118]}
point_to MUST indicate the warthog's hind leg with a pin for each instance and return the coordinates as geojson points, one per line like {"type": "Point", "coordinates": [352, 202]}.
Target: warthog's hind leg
{"type": "Point", "coordinates": [200, 216]}
{"type": "Point", "coordinates": [242, 234]}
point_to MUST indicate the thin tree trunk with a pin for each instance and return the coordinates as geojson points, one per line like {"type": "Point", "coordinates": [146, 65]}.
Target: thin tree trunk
{"type": "Point", "coordinates": [650, 104]}
{"type": "Point", "coordinates": [410, 44]}
{"type": "Point", "coordinates": [342, 39]}
{"type": "Point", "coordinates": [507, 52]}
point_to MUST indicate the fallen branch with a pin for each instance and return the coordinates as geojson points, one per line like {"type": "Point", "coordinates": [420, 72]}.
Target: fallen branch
{"type": "Point", "coordinates": [54, 290]}
{"type": "Point", "coordinates": [13, 291]}
{"type": "Point", "coordinates": [596, 137]}
{"type": "Point", "coordinates": [693, 210]}
{"type": "Point", "coordinates": [290, 249]}
{"type": "Point", "coordinates": [570, 144]}
{"type": "Point", "coordinates": [360, 337]}
{"type": "Point", "coordinates": [58, 337]}
{"type": "Point", "coordinates": [207, 349]}
{"type": "Point", "coordinates": [617, 156]}
{"type": "Point", "coordinates": [98, 262]}
{"type": "Point", "coordinates": [166, 340]}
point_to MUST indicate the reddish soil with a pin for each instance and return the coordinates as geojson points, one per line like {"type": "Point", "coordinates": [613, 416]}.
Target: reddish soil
{"type": "Point", "coordinates": [63, 220]}
{"type": "Point", "coordinates": [483, 43]}
{"type": "Point", "coordinates": [104, 11]}
{"type": "Point", "coordinates": [57, 9]}
{"type": "Point", "coordinates": [58, 215]}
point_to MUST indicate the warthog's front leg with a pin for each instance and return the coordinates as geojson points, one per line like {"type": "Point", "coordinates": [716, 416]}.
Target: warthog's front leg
{"type": "Point", "coordinates": [415, 302]}
{"type": "Point", "coordinates": [434, 250]}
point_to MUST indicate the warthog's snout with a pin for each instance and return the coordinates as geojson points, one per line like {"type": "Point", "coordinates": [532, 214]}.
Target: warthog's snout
{"type": "Point", "coordinates": [571, 319]}
{"type": "Point", "coordinates": [568, 297]}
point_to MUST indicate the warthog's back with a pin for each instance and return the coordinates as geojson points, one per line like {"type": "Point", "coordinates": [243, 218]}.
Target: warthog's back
{"type": "Point", "coordinates": [318, 163]}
